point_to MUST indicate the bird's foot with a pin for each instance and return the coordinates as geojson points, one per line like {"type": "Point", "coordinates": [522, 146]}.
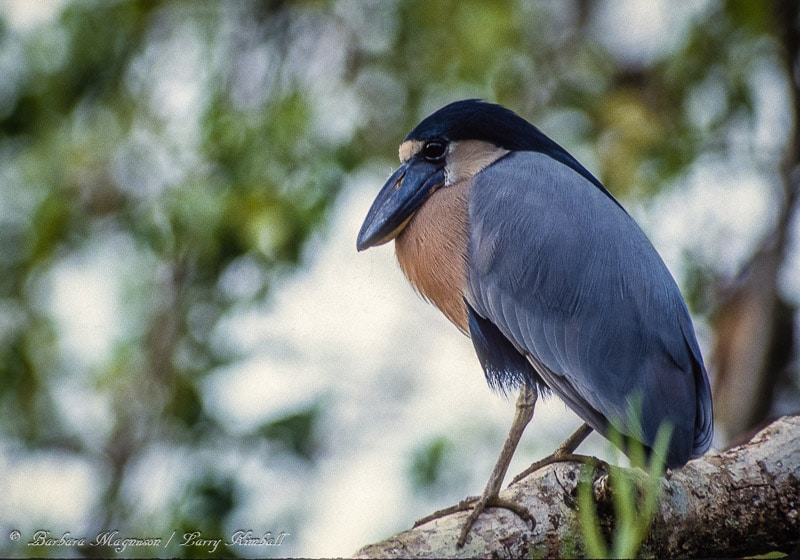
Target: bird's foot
{"type": "Point", "coordinates": [478, 504]}
{"type": "Point", "coordinates": [561, 458]}
{"type": "Point", "coordinates": [492, 501]}
{"type": "Point", "coordinates": [463, 505]}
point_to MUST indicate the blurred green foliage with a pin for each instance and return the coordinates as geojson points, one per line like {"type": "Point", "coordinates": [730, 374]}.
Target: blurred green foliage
{"type": "Point", "coordinates": [201, 144]}
{"type": "Point", "coordinates": [296, 432]}
{"type": "Point", "coordinates": [428, 463]}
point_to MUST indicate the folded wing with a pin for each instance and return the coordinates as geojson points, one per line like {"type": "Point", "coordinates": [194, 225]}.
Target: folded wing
{"type": "Point", "coordinates": [561, 271]}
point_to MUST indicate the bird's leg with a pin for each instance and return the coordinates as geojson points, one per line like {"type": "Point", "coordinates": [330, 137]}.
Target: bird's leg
{"type": "Point", "coordinates": [574, 440]}
{"type": "Point", "coordinates": [522, 416]}
{"type": "Point", "coordinates": [490, 497]}
{"type": "Point", "coordinates": [564, 453]}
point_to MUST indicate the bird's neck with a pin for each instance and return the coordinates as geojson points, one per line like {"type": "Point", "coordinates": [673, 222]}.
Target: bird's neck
{"type": "Point", "coordinates": [432, 251]}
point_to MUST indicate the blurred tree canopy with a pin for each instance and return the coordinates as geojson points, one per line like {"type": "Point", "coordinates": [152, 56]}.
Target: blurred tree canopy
{"type": "Point", "coordinates": [186, 152]}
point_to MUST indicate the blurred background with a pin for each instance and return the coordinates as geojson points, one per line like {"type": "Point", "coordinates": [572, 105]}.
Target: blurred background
{"type": "Point", "coordinates": [189, 340]}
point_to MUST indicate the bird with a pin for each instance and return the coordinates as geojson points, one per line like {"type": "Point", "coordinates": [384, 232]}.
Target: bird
{"type": "Point", "coordinates": [561, 292]}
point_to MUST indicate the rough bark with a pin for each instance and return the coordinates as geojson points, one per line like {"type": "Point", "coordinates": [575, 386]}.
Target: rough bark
{"type": "Point", "coordinates": [744, 501]}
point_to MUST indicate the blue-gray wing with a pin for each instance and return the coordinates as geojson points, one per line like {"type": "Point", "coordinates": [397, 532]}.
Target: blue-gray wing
{"type": "Point", "coordinates": [574, 285]}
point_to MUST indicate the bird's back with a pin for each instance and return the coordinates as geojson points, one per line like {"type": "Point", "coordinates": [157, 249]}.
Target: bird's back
{"type": "Point", "coordinates": [565, 275]}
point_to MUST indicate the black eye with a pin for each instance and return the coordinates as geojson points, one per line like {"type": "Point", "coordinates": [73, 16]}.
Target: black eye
{"type": "Point", "coordinates": [434, 150]}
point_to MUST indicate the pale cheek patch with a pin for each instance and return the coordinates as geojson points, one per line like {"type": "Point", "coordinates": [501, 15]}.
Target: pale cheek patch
{"type": "Point", "coordinates": [467, 158]}
{"type": "Point", "coordinates": [409, 149]}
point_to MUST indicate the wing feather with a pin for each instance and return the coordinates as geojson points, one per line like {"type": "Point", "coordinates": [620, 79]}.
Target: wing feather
{"type": "Point", "coordinates": [567, 276]}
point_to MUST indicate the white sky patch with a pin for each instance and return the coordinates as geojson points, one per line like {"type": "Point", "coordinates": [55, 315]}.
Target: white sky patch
{"type": "Point", "coordinates": [774, 119]}
{"type": "Point", "coordinates": [639, 32]}
{"type": "Point", "coordinates": [89, 293]}
{"type": "Point", "coordinates": [355, 498]}
{"type": "Point", "coordinates": [47, 490]}
{"type": "Point", "coordinates": [84, 411]}
{"type": "Point", "coordinates": [24, 15]}
{"type": "Point", "coordinates": [180, 72]}
{"type": "Point", "coordinates": [156, 479]}
{"type": "Point", "coordinates": [85, 302]}
{"type": "Point", "coordinates": [720, 216]}
{"type": "Point", "coordinates": [259, 389]}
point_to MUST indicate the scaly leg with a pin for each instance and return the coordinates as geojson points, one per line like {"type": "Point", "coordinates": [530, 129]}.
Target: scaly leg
{"type": "Point", "coordinates": [564, 453]}
{"type": "Point", "coordinates": [526, 402]}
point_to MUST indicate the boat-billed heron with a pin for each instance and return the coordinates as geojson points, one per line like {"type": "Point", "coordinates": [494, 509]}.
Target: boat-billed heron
{"type": "Point", "coordinates": [559, 289]}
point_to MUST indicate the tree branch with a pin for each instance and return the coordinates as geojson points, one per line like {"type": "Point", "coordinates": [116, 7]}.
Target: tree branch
{"type": "Point", "coordinates": [744, 501]}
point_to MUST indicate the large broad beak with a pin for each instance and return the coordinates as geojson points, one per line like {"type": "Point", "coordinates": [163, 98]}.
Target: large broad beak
{"type": "Point", "coordinates": [404, 192]}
